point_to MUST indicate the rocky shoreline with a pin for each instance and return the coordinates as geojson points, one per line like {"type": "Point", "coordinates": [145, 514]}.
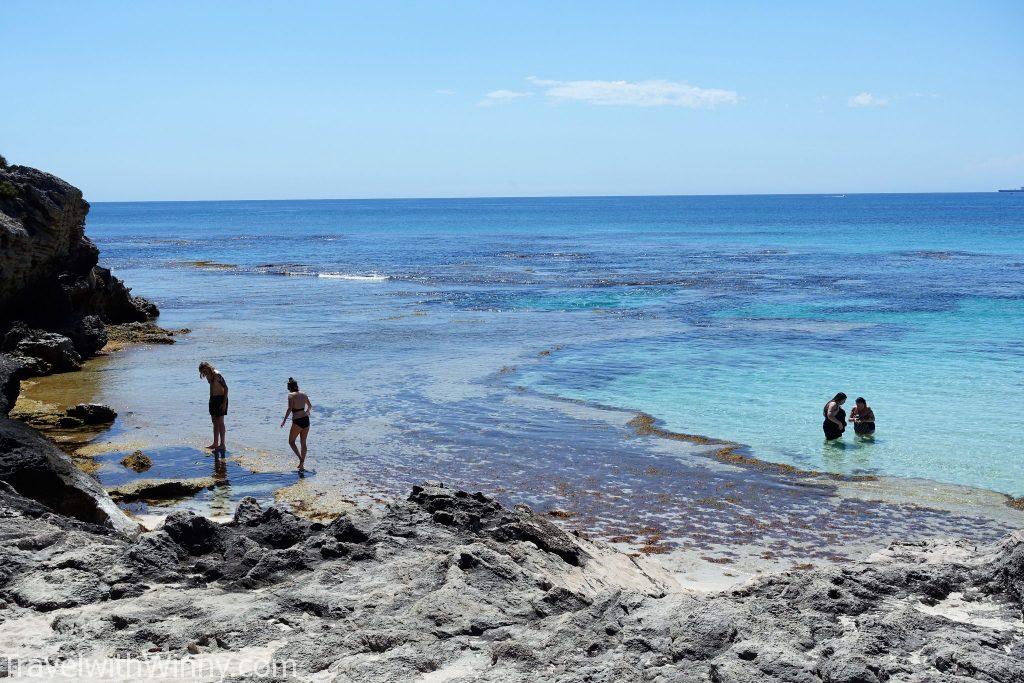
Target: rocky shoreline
{"type": "Point", "coordinates": [451, 586]}
{"type": "Point", "coordinates": [443, 586]}
{"type": "Point", "coordinates": [56, 303]}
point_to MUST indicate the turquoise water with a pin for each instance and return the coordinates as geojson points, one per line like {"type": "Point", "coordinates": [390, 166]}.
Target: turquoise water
{"type": "Point", "coordinates": [731, 317]}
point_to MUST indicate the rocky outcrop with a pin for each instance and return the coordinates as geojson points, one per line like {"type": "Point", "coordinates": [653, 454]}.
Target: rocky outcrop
{"type": "Point", "coordinates": [55, 303]}
{"type": "Point", "coordinates": [10, 384]}
{"type": "Point", "coordinates": [39, 470]}
{"type": "Point", "coordinates": [92, 413]}
{"type": "Point", "coordinates": [452, 586]}
{"type": "Point", "coordinates": [50, 277]}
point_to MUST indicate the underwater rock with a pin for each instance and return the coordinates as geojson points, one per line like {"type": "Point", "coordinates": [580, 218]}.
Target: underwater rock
{"type": "Point", "coordinates": [137, 461]}
{"type": "Point", "coordinates": [162, 489]}
{"type": "Point", "coordinates": [127, 334]}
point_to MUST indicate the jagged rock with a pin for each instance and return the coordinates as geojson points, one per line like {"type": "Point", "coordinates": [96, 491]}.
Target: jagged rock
{"type": "Point", "coordinates": [49, 275]}
{"type": "Point", "coordinates": [37, 469]}
{"type": "Point", "coordinates": [274, 528]}
{"type": "Point", "coordinates": [40, 352]}
{"type": "Point", "coordinates": [54, 297]}
{"type": "Point", "coordinates": [10, 384]}
{"type": "Point", "coordinates": [194, 533]}
{"type": "Point", "coordinates": [137, 461]}
{"type": "Point", "coordinates": [88, 335]}
{"type": "Point", "coordinates": [343, 529]}
{"type": "Point", "coordinates": [455, 597]}
{"type": "Point", "coordinates": [92, 413]}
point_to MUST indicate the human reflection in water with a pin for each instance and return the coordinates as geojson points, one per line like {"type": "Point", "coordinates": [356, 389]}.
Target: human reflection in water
{"type": "Point", "coordinates": [220, 500]}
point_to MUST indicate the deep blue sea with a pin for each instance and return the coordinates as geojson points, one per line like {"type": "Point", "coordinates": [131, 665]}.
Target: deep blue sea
{"type": "Point", "coordinates": [436, 338]}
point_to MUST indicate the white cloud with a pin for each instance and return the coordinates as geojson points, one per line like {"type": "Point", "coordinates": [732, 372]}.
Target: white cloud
{"type": "Point", "coordinates": [656, 93]}
{"type": "Point", "coordinates": [866, 99]}
{"type": "Point", "coordinates": [444, 91]}
{"type": "Point", "coordinates": [499, 96]}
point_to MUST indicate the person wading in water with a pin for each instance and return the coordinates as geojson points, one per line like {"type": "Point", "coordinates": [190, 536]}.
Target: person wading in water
{"type": "Point", "coordinates": [218, 406]}
{"type": "Point", "coordinates": [298, 407]}
{"type": "Point", "coordinates": [835, 417]}
{"type": "Point", "coordinates": [863, 418]}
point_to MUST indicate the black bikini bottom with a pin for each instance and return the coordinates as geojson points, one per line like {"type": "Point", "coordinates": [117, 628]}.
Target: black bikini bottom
{"type": "Point", "coordinates": [301, 422]}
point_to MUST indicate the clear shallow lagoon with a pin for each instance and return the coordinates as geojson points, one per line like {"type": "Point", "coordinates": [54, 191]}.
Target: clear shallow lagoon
{"type": "Point", "coordinates": [731, 317]}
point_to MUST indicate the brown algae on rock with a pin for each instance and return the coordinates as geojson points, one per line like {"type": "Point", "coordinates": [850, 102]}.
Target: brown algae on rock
{"type": "Point", "coordinates": [120, 337]}
{"type": "Point", "coordinates": [137, 461]}
{"type": "Point", "coordinates": [156, 490]}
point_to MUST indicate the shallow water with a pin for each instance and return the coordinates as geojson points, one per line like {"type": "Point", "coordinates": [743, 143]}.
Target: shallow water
{"type": "Point", "coordinates": [733, 317]}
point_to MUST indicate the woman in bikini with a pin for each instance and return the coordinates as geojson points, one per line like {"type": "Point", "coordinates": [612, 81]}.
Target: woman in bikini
{"type": "Point", "coordinates": [299, 408]}
{"type": "Point", "coordinates": [835, 417]}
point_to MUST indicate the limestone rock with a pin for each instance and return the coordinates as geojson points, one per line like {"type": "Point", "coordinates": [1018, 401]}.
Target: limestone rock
{"type": "Point", "coordinates": [162, 489]}
{"type": "Point", "coordinates": [10, 384]}
{"type": "Point", "coordinates": [37, 469]}
{"type": "Point", "coordinates": [92, 413]}
{"type": "Point", "coordinates": [485, 593]}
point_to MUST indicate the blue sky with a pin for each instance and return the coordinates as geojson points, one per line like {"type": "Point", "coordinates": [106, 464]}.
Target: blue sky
{"type": "Point", "coordinates": [230, 100]}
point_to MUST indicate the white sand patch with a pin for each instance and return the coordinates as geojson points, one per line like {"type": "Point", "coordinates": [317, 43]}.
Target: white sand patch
{"type": "Point", "coordinates": [24, 637]}
{"type": "Point", "coordinates": [463, 666]}
{"type": "Point", "coordinates": [978, 612]}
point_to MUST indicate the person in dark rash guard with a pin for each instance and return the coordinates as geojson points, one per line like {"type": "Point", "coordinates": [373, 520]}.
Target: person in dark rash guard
{"type": "Point", "coordinates": [835, 417]}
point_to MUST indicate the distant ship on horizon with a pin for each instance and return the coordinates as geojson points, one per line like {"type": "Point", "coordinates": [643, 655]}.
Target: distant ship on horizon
{"type": "Point", "coordinates": [1019, 189]}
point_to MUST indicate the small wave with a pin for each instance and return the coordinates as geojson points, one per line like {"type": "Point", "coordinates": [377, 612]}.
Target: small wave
{"type": "Point", "coordinates": [373, 277]}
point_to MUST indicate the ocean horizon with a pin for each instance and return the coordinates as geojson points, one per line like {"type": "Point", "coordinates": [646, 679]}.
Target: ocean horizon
{"type": "Point", "coordinates": [837, 193]}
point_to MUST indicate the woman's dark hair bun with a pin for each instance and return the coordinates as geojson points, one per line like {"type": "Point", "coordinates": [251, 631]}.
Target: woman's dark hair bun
{"type": "Point", "coordinates": [292, 384]}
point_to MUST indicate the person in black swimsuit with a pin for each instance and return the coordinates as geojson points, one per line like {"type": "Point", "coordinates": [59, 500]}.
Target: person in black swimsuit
{"type": "Point", "coordinates": [835, 417]}
{"type": "Point", "coordinates": [863, 418]}
{"type": "Point", "coordinates": [298, 407]}
{"type": "Point", "coordinates": [218, 405]}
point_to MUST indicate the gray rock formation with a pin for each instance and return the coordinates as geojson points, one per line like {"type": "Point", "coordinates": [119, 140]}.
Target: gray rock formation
{"type": "Point", "coordinates": [49, 272]}
{"type": "Point", "coordinates": [93, 413]}
{"type": "Point", "coordinates": [40, 352]}
{"type": "Point", "coordinates": [55, 303]}
{"type": "Point", "coordinates": [10, 384]}
{"type": "Point", "coordinates": [39, 470]}
{"type": "Point", "coordinates": [451, 586]}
